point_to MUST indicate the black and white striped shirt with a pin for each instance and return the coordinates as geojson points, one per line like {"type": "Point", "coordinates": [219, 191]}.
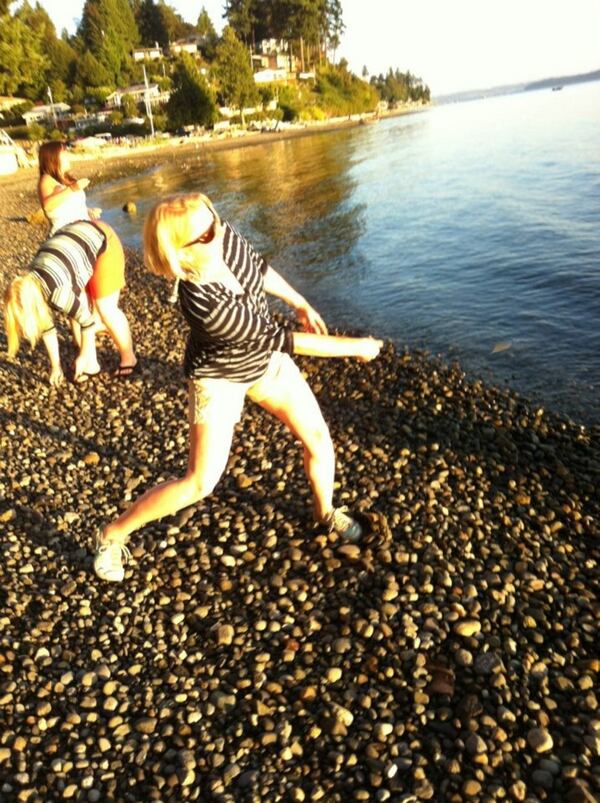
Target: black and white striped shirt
{"type": "Point", "coordinates": [232, 336]}
{"type": "Point", "coordinates": [64, 265]}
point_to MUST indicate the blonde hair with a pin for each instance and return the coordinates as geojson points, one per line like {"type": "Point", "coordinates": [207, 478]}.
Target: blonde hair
{"type": "Point", "coordinates": [26, 313]}
{"type": "Point", "coordinates": [168, 228]}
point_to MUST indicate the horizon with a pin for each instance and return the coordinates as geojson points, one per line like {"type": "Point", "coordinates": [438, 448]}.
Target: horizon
{"type": "Point", "coordinates": [544, 78]}
{"type": "Point", "coordinates": [453, 49]}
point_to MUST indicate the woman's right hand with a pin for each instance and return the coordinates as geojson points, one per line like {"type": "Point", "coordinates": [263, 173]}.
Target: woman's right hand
{"type": "Point", "coordinates": [368, 348]}
{"type": "Point", "coordinates": [56, 376]}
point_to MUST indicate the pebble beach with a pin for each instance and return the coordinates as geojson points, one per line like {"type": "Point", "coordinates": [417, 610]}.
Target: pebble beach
{"type": "Point", "coordinates": [247, 658]}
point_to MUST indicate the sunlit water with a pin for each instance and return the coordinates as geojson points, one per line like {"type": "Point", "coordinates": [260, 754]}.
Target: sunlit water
{"type": "Point", "coordinates": [471, 230]}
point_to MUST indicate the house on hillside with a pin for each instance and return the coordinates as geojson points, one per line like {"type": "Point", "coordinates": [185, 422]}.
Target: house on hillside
{"type": "Point", "coordinates": [82, 122]}
{"type": "Point", "coordinates": [147, 53]}
{"type": "Point", "coordinates": [270, 76]}
{"type": "Point", "coordinates": [47, 113]}
{"type": "Point", "coordinates": [138, 93]}
{"type": "Point", "coordinates": [274, 54]}
{"type": "Point", "coordinates": [191, 44]}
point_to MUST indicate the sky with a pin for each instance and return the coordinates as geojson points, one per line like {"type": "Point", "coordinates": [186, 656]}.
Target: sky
{"type": "Point", "coordinates": [452, 46]}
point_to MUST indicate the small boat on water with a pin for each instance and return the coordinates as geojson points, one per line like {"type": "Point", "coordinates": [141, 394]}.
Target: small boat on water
{"type": "Point", "coordinates": [556, 88]}
{"type": "Point", "coordinates": [368, 120]}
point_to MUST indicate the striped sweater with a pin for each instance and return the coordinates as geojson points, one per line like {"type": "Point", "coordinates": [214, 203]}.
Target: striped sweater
{"type": "Point", "coordinates": [64, 265]}
{"type": "Point", "coordinates": [232, 336]}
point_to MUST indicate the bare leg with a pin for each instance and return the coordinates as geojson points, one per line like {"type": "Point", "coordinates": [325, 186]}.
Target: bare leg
{"type": "Point", "coordinates": [100, 327]}
{"type": "Point", "coordinates": [293, 402]}
{"type": "Point", "coordinates": [209, 450]}
{"type": "Point", "coordinates": [76, 332]}
{"type": "Point", "coordinates": [118, 326]}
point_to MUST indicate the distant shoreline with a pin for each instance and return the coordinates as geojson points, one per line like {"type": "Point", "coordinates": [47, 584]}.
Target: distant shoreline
{"type": "Point", "coordinates": [154, 152]}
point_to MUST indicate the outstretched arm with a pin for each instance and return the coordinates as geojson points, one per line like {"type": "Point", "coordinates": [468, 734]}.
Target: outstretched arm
{"type": "Point", "coordinates": [312, 345]}
{"type": "Point", "coordinates": [309, 318]}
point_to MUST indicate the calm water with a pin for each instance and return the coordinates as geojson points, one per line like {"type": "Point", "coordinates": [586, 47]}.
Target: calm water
{"type": "Point", "coordinates": [472, 230]}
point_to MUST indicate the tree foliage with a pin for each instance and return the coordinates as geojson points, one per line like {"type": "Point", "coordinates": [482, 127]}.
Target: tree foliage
{"type": "Point", "coordinates": [158, 22]}
{"type": "Point", "coordinates": [341, 92]}
{"type": "Point", "coordinates": [192, 101]}
{"type": "Point", "coordinates": [22, 60]}
{"type": "Point", "coordinates": [317, 23]}
{"type": "Point", "coordinates": [88, 66]}
{"type": "Point", "coordinates": [205, 26]}
{"type": "Point", "coordinates": [234, 72]}
{"type": "Point", "coordinates": [400, 87]}
{"type": "Point", "coordinates": [108, 30]}
{"type": "Point", "coordinates": [206, 30]}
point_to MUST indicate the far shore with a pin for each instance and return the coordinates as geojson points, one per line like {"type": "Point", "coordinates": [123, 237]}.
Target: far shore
{"type": "Point", "coordinates": [236, 138]}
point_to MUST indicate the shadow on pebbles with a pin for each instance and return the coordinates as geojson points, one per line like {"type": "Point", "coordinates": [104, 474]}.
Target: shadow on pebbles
{"type": "Point", "coordinates": [247, 657]}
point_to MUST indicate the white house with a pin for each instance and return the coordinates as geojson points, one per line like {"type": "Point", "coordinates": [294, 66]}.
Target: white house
{"type": "Point", "coordinates": [183, 46]}
{"type": "Point", "coordinates": [83, 121]}
{"type": "Point", "coordinates": [267, 76]}
{"type": "Point", "coordinates": [274, 54]}
{"type": "Point", "coordinates": [46, 112]}
{"type": "Point", "coordinates": [137, 92]}
{"type": "Point", "coordinates": [147, 53]}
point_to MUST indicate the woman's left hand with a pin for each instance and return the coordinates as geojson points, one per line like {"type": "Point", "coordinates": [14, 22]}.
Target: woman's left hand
{"type": "Point", "coordinates": [95, 212]}
{"type": "Point", "coordinates": [311, 321]}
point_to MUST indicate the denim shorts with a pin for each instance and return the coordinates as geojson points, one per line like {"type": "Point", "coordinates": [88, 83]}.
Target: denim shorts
{"type": "Point", "coordinates": [222, 401]}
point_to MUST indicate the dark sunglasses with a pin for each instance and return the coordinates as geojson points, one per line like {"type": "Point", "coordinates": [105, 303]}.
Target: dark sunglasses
{"type": "Point", "coordinates": [207, 236]}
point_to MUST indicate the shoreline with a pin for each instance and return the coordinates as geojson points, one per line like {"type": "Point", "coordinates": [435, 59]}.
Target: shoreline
{"type": "Point", "coordinates": [152, 153]}
{"type": "Point", "coordinates": [246, 657]}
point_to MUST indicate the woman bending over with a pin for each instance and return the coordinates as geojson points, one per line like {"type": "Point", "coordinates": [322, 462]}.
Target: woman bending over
{"type": "Point", "coordinates": [234, 349]}
{"type": "Point", "coordinates": [83, 261]}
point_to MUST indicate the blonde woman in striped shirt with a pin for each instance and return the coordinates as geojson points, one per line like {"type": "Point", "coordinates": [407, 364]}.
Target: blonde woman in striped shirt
{"type": "Point", "coordinates": [235, 349]}
{"type": "Point", "coordinates": [80, 264]}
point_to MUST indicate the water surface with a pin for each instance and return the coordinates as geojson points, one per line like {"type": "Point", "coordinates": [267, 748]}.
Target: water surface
{"type": "Point", "coordinates": [472, 230]}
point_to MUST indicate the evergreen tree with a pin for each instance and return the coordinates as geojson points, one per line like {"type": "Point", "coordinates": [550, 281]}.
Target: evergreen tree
{"type": "Point", "coordinates": [206, 29]}
{"type": "Point", "coordinates": [192, 101]}
{"type": "Point", "coordinates": [173, 25]}
{"type": "Point", "coordinates": [22, 61]}
{"type": "Point", "coordinates": [89, 72]}
{"type": "Point", "coordinates": [242, 17]}
{"type": "Point", "coordinates": [204, 26]}
{"type": "Point", "coordinates": [60, 55]}
{"type": "Point", "coordinates": [129, 107]}
{"type": "Point", "coordinates": [109, 31]}
{"type": "Point", "coordinates": [234, 72]}
{"type": "Point", "coordinates": [149, 23]}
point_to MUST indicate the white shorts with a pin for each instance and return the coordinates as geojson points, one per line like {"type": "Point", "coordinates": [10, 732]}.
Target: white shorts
{"type": "Point", "coordinates": [222, 400]}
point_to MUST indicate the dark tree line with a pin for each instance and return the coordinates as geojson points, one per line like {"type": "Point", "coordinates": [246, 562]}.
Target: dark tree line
{"type": "Point", "coordinates": [400, 87]}
{"type": "Point", "coordinates": [313, 25]}
{"type": "Point", "coordinates": [85, 68]}
{"type": "Point", "coordinates": [99, 56]}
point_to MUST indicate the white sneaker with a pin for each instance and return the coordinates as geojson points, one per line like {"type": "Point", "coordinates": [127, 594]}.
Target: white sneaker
{"type": "Point", "coordinates": [344, 525]}
{"type": "Point", "coordinates": [108, 562]}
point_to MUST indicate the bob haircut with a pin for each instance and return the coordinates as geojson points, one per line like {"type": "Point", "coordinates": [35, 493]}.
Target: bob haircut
{"type": "Point", "coordinates": [168, 228]}
{"type": "Point", "coordinates": [49, 162]}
